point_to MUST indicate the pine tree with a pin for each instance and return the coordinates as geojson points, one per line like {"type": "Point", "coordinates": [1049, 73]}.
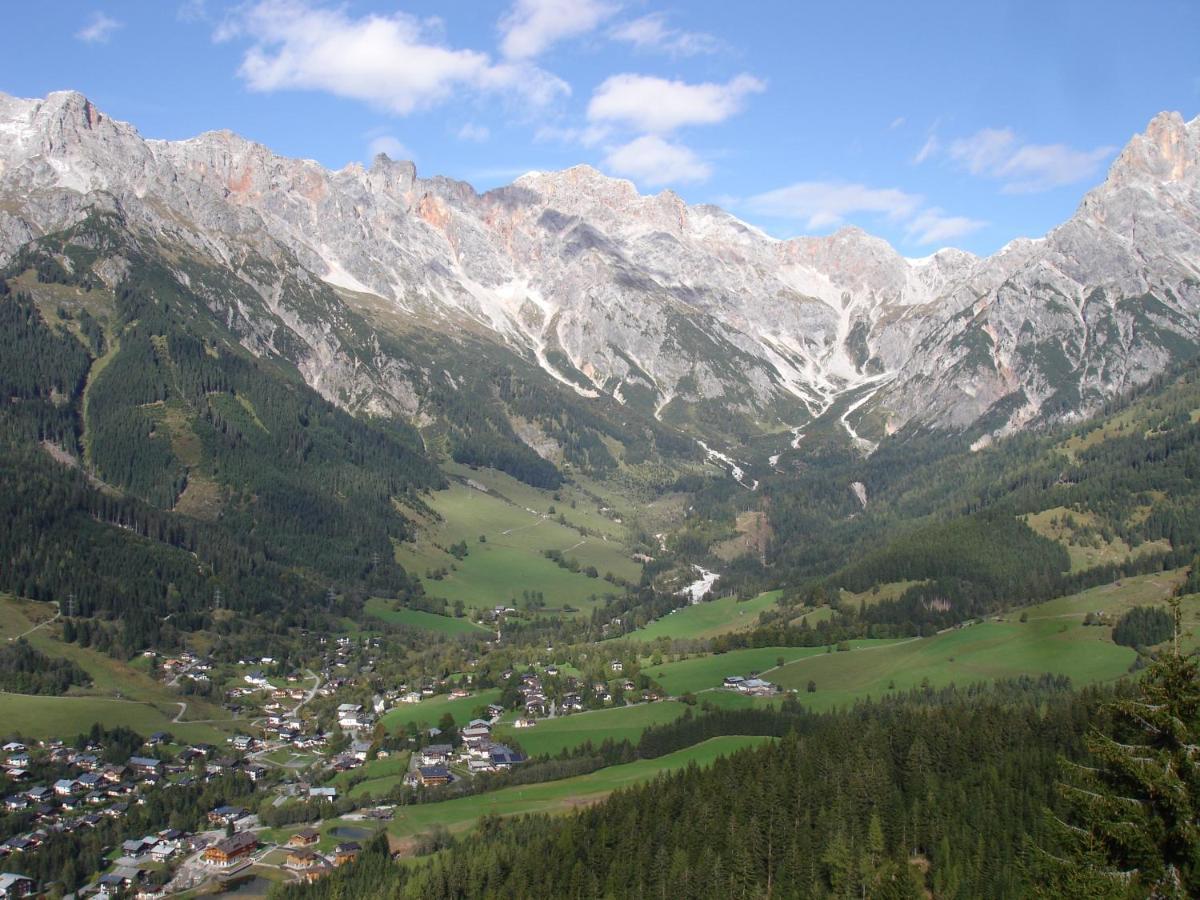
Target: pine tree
{"type": "Point", "coordinates": [1133, 824]}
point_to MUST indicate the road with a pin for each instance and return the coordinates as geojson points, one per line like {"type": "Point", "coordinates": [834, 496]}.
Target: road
{"type": "Point", "coordinates": [57, 615]}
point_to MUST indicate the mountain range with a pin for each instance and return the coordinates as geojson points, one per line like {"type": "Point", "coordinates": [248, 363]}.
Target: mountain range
{"type": "Point", "coordinates": [384, 289]}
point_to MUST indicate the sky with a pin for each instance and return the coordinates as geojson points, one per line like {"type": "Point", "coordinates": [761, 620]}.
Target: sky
{"type": "Point", "coordinates": [930, 124]}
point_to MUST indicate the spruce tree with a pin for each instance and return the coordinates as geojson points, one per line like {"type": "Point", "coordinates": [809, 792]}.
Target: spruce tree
{"type": "Point", "coordinates": [1132, 826]}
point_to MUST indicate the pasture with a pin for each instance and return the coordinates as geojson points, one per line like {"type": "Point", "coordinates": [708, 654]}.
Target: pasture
{"type": "Point", "coordinates": [556, 796]}
{"type": "Point", "coordinates": [552, 736]}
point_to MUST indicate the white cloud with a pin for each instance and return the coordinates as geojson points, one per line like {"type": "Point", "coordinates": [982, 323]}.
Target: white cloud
{"type": "Point", "coordinates": [390, 145]}
{"type": "Point", "coordinates": [659, 106]}
{"type": "Point", "coordinates": [587, 136]}
{"type": "Point", "coordinates": [821, 204]}
{"type": "Point", "coordinates": [391, 62]}
{"type": "Point", "coordinates": [825, 204]}
{"type": "Point", "coordinates": [98, 29]}
{"type": "Point", "coordinates": [530, 27]}
{"type": "Point", "coordinates": [472, 132]}
{"type": "Point", "coordinates": [192, 11]}
{"type": "Point", "coordinates": [1024, 168]}
{"type": "Point", "coordinates": [933, 226]}
{"type": "Point", "coordinates": [984, 151]}
{"type": "Point", "coordinates": [653, 161]}
{"type": "Point", "coordinates": [652, 33]}
{"type": "Point", "coordinates": [928, 149]}
{"type": "Point", "coordinates": [897, 122]}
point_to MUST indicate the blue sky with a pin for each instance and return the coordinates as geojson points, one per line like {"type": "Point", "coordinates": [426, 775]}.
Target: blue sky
{"type": "Point", "coordinates": [928, 123]}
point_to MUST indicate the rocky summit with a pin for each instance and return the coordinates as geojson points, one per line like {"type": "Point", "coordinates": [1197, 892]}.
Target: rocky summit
{"type": "Point", "coordinates": [681, 313]}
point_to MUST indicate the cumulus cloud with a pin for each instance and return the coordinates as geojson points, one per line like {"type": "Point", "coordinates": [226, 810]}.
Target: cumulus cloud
{"type": "Point", "coordinates": [1024, 168]}
{"type": "Point", "coordinates": [531, 27]}
{"type": "Point", "coordinates": [390, 145]}
{"type": "Point", "coordinates": [654, 161]}
{"type": "Point", "coordinates": [825, 204]}
{"type": "Point", "coordinates": [98, 29]}
{"type": "Point", "coordinates": [658, 106]}
{"type": "Point", "coordinates": [652, 33]}
{"type": "Point", "coordinates": [390, 61]}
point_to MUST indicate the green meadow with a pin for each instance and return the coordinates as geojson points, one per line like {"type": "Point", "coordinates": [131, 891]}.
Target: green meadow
{"type": "Point", "coordinates": [430, 711]}
{"type": "Point", "coordinates": [510, 560]}
{"type": "Point", "coordinates": [551, 736]}
{"type": "Point", "coordinates": [708, 619]}
{"type": "Point", "coordinates": [382, 609]}
{"type": "Point", "coordinates": [703, 672]}
{"type": "Point", "coordinates": [556, 796]}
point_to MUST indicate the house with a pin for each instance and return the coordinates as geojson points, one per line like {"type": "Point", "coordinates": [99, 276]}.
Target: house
{"type": "Point", "coordinates": [18, 760]}
{"type": "Point", "coordinates": [360, 749]}
{"type": "Point", "coordinates": [476, 734]}
{"type": "Point", "coordinates": [476, 766]}
{"type": "Point", "coordinates": [231, 850]}
{"type": "Point", "coordinates": [164, 850]}
{"type": "Point", "coordinates": [159, 737]}
{"type": "Point", "coordinates": [617, 666]}
{"type": "Point", "coordinates": [344, 853]}
{"type": "Point", "coordinates": [258, 680]}
{"type": "Point", "coordinates": [323, 793]}
{"type": "Point", "coordinates": [135, 847]}
{"type": "Point", "coordinates": [65, 787]}
{"type": "Point", "coordinates": [433, 775]}
{"type": "Point", "coordinates": [305, 838]}
{"type": "Point", "coordinates": [242, 742]}
{"type": "Point", "coordinates": [435, 754]}
{"type": "Point", "coordinates": [317, 872]}
{"type": "Point", "coordinates": [144, 765]}
{"type": "Point", "coordinates": [224, 815]}
{"type": "Point", "coordinates": [15, 885]}
{"type": "Point", "coordinates": [256, 771]}
{"type": "Point", "coordinates": [13, 747]}
{"type": "Point", "coordinates": [411, 697]}
{"type": "Point", "coordinates": [301, 859]}
{"type": "Point", "coordinates": [733, 680]}
{"type": "Point", "coordinates": [503, 757]}
{"type": "Point", "coordinates": [495, 711]}
{"type": "Point", "coordinates": [524, 722]}
{"type": "Point", "coordinates": [348, 715]}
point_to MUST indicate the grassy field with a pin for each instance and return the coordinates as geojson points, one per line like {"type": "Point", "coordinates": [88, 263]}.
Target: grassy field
{"type": "Point", "coordinates": [556, 796]}
{"type": "Point", "coordinates": [429, 712]}
{"type": "Point", "coordinates": [889, 591]}
{"type": "Point", "coordinates": [703, 672]}
{"type": "Point", "coordinates": [122, 692]}
{"type": "Point", "coordinates": [511, 559]}
{"type": "Point", "coordinates": [708, 619]}
{"type": "Point", "coordinates": [550, 736]}
{"type": "Point", "coordinates": [382, 776]}
{"type": "Point", "coordinates": [1053, 640]}
{"type": "Point", "coordinates": [381, 609]}
{"type": "Point", "coordinates": [1086, 551]}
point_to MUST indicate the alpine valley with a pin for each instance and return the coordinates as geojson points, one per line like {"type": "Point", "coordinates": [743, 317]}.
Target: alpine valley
{"type": "Point", "coordinates": [443, 507]}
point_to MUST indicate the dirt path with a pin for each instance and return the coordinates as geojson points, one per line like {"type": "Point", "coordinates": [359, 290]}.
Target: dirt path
{"type": "Point", "coordinates": [57, 615]}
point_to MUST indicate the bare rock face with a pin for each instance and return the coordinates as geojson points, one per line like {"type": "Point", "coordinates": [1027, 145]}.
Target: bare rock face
{"type": "Point", "coordinates": [645, 298]}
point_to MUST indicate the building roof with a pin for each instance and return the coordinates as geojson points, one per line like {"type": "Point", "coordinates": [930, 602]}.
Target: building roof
{"type": "Point", "coordinates": [236, 842]}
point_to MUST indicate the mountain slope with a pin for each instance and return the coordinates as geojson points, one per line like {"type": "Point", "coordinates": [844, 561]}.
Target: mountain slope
{"type": "Point", "coordinates": [680, 313]}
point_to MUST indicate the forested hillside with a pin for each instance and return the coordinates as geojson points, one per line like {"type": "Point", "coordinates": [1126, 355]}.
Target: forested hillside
{"type": "Point", "coordinates": [946, 792]}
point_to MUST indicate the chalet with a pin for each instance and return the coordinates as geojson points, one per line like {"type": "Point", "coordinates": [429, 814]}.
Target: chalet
{"type": "Point", "coordinates": [411, 697]}
{"type": "Point", "coordinates": [258, 680]}
{"type": "Point", "coordinates": [18, 760]}
{"type": "Point", "coordinates": [305, 838]}
{"type": "Point", "coordinates": [617, 666]}
{"type": "Point", "coordinates": [732, 681]}
{"type": "Point", "coordinates": [15, 802]}
{"type": "Point", "coordinates": [231, 850]}
{"type": "Point", "coordinates": [15, 885]}
{"type": "Point", "coordinates": [164, 850]}
{"type": "Point", "coordinates": [524, 722]}
{"type": "Point", "coordinates": [136, 846]}
{"type": "Point", "coordinates": [301, 859]}
{"type": "Point", "coordinates": [159, 737]}
{"type": "Point", "coordinates": [145, 765]}
{"type": "Point", "coordinates": [495, 711]}
{"type": "Point", "coordinates": [65, 787]}
{"type": "Point", "coordinates": [433, 775]}
{"type": "Point", "coordinates": [242, 742]}
{"type": "Point", "coordinates": [256, 771]}
{"type": "Point", "coordinates": [503, 757]}
{"type": "Point", "coordinates": [13, 747]}
{"type": "Point", "coordinates": [360, 749]}
{"type": "Point", "coordinates": [225, 815]}
{"type": "Point", "coordinates": [344, 853]}
{"type": "Point", "coordinates": [348, 715]}
{"type": "Point", "coordinates": [323, 793]}
{"type": "Point", "coordinates": [476, 734]}
{"type": "Point", "coordinates": [317, 872]}
{"type": "Point", "coordinates": [435, 754]}
{"type": "Point", "coordinates": [89, 762]}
